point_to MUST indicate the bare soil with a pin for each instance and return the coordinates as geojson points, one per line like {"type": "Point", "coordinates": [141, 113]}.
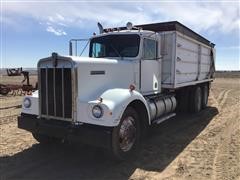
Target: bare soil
{"type": "Point", "coordinates": [200, 146]}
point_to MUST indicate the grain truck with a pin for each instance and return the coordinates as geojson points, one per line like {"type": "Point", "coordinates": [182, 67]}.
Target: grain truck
{"type": "Point", "coordinates": [134, 77]}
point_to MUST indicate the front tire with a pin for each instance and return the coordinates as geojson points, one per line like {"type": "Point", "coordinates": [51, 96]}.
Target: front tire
{"type": "Point", "coordinates": [126, 136]}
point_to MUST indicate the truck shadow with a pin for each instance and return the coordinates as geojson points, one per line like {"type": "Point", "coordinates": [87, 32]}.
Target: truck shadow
{"type": "Point", "coordinates": [68, 161]}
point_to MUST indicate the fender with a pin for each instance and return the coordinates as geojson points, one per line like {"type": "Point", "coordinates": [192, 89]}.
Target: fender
{"type": "Point", "coordinates": [121, 98]}
{"type": "Point", "coordinates": [115, 101]}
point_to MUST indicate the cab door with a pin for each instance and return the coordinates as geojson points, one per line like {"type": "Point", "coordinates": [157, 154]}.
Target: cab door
{"type": "Point", "coordinates": [150, 66]}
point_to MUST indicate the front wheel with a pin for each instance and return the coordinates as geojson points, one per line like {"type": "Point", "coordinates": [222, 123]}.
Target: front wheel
{"type": "Point", "coordinates": [126, 136]}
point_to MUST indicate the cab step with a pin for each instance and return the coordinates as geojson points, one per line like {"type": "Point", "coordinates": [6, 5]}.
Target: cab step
{"type": "Point", "coordinates": [164, 118]}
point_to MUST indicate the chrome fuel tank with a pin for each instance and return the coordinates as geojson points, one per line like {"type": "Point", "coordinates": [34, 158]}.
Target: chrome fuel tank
{"type": "Point", "coordinates": [159, 107]}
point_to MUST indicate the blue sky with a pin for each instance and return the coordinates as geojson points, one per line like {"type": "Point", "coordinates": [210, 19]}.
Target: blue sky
{"type": "Point", "coordinates": [31, 30]}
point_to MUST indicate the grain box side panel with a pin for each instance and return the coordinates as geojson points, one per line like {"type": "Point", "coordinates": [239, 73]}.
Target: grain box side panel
{"type": "Point", "coordinates": [205, 62]}
{"type": "Point", "coordinates": [187, 60]}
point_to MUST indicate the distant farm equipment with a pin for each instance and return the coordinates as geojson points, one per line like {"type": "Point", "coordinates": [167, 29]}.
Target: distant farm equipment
{"type": "Point", "coordinates": [17, 89]}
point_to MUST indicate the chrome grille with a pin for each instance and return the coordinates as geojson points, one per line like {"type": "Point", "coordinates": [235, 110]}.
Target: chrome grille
{"type": "Point", "coordinates": [56, 92]}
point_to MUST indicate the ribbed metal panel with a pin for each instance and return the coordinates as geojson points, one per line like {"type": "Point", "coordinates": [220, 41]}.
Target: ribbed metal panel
{"type": "Point", "coordinates": [56, 92]}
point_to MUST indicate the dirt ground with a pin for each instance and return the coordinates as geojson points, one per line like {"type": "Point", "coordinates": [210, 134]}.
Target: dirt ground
{"type": "Point", "coordinates": [201, 146]}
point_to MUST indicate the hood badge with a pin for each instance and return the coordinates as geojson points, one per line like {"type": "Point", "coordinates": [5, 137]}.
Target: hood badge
{"type": "Point", "coordinates": [97, 72]}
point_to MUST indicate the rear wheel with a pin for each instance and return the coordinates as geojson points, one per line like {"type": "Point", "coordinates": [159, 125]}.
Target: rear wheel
{"type": "Point", "coordinates": [44, 139]}
{"type": "Point", "coordinates": [205, 93]}
{"type": "Point", "coordinates": [196, 100]}
{"type": "Point", "coordinates": [126, 136]}
{"type": "Point", "coordinates": [183, 100]}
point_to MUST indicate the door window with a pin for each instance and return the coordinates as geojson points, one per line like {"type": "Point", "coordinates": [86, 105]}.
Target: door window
{"type": "Point", "coordinates": [98, 50]}
{"type": "Point", "coordinates": [149, 49]}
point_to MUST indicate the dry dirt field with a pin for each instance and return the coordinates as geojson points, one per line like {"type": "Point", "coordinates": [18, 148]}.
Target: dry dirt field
{"type": "Point", "coordinates": [201, 146]}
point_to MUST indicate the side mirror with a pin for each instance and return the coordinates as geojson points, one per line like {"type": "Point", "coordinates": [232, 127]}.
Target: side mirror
{"type": "Point", "coordinates": [74, 42]}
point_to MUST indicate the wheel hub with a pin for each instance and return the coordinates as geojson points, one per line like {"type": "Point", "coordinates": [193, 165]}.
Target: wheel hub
{"type": "Point", "coordinates": [127, 134]}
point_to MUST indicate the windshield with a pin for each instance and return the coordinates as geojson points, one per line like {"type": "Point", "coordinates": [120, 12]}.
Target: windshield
{"type": "Point", "coordinates": [115, 46]}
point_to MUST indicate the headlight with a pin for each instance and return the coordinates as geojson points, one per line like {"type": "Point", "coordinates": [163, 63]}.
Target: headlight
{"type": "Point", "coordinates": [27, 103]}
{"type": "Point", "coordinates": [97, 111]}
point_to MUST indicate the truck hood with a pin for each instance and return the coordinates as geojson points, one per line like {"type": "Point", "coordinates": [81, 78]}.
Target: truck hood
{"type": "Point", "coordinates": [96, 75]}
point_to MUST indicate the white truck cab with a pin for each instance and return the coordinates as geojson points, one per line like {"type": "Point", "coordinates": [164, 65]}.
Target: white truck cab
{"type": "Point", "coordinates": [134, 77]}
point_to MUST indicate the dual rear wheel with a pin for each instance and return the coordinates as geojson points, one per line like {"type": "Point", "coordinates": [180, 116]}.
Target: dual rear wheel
{"type": "Point", "coordinates": [199, 98]}
{"type": "Point", "coordinates": [205, 94]}
{"type": "Point", "coordinates": [193, 99]}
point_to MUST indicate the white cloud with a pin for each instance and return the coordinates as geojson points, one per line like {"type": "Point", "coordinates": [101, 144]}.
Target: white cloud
{"type": "Point", "coordinates": [57, 32]}
{"type": "Point", "coordinates": [201, 16]}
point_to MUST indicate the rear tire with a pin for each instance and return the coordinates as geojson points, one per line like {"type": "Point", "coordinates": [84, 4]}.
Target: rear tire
{"type": "Point", "coordinates": [205, 94]}
{"type": "Point", "coordinates": [183, 100]}
{"type": "Point", "coordinates": [44, 139]}
{"type": "Point", "coordinates": [196, 100]}
{"type": "Point", "coordinates": [126, 136]}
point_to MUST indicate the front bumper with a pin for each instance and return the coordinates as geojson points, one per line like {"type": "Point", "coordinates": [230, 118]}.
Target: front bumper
{"type": "Point", "coordinates": [90, 134]}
